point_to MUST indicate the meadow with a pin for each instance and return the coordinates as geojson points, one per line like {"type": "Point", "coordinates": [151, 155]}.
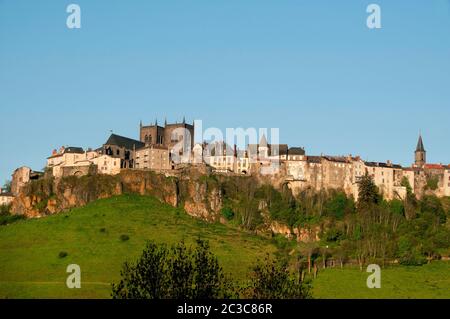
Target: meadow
{"type": "Point", "coordinates": [101, 236]}
{"type": "Point", "coordinates": [92, 237]}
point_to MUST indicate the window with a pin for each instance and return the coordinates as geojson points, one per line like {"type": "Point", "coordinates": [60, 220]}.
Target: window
{"type": "Point", "coordinates": [118, 152]}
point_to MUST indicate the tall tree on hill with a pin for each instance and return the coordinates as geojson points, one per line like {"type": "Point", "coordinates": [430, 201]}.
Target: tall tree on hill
{"type": "Point", "coordinates": [367, 192]}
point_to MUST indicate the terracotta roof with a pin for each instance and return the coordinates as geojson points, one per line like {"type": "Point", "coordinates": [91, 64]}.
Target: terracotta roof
{"type": "Point", "coordinates": [434, 166]}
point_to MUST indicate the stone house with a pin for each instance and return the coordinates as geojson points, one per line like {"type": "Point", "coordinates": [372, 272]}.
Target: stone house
{"type": "Point", "coordinates": [154, 157]}
{"type": "Point", "coordinates": [21, 176]}
{"type": "Point", "coordinates": [5, 198]}
{"type": "Point", "coordinates": [122, 148]}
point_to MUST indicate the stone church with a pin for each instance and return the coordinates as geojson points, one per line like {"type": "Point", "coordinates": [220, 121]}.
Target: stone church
{"type": "Point", "coordinates": [175, 136]}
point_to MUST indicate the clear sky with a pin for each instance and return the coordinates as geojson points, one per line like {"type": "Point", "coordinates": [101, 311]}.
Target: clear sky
{"type": "Point", "coordinates": [311, 68]}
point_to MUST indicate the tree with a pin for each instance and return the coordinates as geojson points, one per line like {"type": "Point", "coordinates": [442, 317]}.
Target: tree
{"type": "Point", "coordinates": [272, 280]}
{"type": "Point", "coordinates": [7, 187]}
{"type": "Point", "coordinates": [405, 183]}
{"type": "Point", "coordinates": [177, 272]}
{"type": "Point", "coordinates": [367, 192]}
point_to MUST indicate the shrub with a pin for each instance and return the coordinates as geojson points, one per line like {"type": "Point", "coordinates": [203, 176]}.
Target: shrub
{"type": "Point", "coordinates": [124, 237]}
{"type": "Point", "coordinates": [103, 230]}
{"type": "Point", "coordinates": [62, 254]}
{"type": "Point", "coordinates": [227, 213]}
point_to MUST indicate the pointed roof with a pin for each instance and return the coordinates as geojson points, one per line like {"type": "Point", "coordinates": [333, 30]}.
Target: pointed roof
{"type": "Point", "coordinates": [420, 147]}
{"type": "Point", "coordinates": [263, 141]}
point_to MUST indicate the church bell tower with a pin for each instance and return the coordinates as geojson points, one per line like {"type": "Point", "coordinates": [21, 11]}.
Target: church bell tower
{"type": "Point", "coordinates": [420, 153]}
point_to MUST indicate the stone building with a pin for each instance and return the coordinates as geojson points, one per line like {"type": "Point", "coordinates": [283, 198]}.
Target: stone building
{"type": "Point", "coordinates": [5, 198]}
{"type": "Point", "coordinates": [226, 159]}
{"type": "Point", "coordinates": [21, 176]}
{"type": "Point", "coordinates": [265, 152]}
{"type": "Point", "coordinates": [427, 178]}
{"type": "Point", "coordinates": [122, 148]}
{"type": "Point", "coordinates": [177, 137]}
{"type": "Point", "coordinates": [106, 164]}
{"type": "Point", "coordinates": [388, 178]}
{"type": "Point", "coordinates": [74, 161]}
{"type": "Point", "coordinates": [70, 161]}
{"type": "Point", "coordinates": [154, 157]}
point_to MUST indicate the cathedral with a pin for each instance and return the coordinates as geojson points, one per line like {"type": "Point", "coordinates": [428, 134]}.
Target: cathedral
{"type": "Point", "coordinates": [168, 135]}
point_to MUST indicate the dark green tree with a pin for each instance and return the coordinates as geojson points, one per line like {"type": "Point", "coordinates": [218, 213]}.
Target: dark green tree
{"type": "Point", "coordinates": [272, 280]}
{"type": "Point", "coordinates": [177, 272]}
{"type": "Point", "coordinates": [367, 192]}
{"type": "Point", "coordinates": [7, 187]}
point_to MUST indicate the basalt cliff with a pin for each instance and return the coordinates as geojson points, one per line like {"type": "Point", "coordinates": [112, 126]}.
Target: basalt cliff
{"type": "Point", "coordinates": [200, 194]}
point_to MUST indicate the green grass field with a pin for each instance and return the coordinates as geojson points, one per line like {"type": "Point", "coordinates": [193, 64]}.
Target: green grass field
{"type": "Point", "coordinates": [30, 266]}
{"type": "Point", "coordinates": [424, 282]}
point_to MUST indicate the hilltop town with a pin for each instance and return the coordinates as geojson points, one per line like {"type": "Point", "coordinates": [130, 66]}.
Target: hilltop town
{"type": "Point", "coordinates": [165, 149]}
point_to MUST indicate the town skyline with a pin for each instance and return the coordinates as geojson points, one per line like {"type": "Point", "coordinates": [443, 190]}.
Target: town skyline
{"type": "Point", "coordinates": [316, 72]}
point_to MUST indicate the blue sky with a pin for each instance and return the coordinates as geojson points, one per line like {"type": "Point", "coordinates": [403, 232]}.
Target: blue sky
{"type": "Point", "coordinates": [311, 68]}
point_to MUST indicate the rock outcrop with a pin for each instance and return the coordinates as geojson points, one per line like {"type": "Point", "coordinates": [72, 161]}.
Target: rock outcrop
{"type": "Point", "coordinates": [197, 192]}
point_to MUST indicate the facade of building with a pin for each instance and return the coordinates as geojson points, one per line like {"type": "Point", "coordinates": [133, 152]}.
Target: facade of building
{"type": "Point", "coordinates": [177, 137]}
{"type": "Point", "coordinates": [6, 198]}
{"type": "Point", "coordinates": [70, 161]}
{"type": "Point", "coordinates": [21, 176]}
{"type": "Point", "coordinates": [106, 164]}
{"type": "Point", "coordinates": [122, 148]}
{"type": "Point", "coordinates": [153, 157]}
{"type": "Point", "coordinates": [74, 161]}
{"type": "Point", "coordinates": [223, 158]}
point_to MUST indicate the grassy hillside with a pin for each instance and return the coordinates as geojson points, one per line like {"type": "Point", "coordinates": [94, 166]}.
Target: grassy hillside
{"type": "Point", "coordinates": [30, 266]}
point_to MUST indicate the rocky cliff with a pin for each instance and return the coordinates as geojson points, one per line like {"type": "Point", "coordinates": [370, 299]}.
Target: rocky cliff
{"type": "Point", "coordinates": [198, 193]}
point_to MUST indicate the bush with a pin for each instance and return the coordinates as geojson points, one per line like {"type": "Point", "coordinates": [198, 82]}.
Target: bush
{"type": "Point", "coordinates": [103, 230]}
{"type": "Point", "coordinates": [227, 213]}
{"type": "Point", "coordinates": [62, 254]}
{"type": "Point", "coordinates": [124, 237]}
{"type": "Point", "coordinates": [5, 209]}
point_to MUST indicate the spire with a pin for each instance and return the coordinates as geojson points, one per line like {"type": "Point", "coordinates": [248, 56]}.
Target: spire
{"type": "Point", "coordinates": [263, 141]}
{"type": "Point", "coordinates": [140, 124]}
{"type": "Point", "coordinates": [156, 122]}
{"type": "Point", "coordinates": [420, 147]}
{"type": "Point", "coordinates": [165, 121]}
{"type": "Point", "coordinates": [184, 120]}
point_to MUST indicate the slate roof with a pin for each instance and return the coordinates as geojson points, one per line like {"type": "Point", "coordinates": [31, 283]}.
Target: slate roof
{"type": "Point", "coordinates": [296, 151]}
{"type": "Point", "coordinates": [75, 150]}
{"type": "Point", "coordinates": [314, 159]}
{"type": "Point", "coordinates": [274, 149]}
{"type": "Point", "coordinates": [125, 142]}
{"type": "Point", "coordinates": [420, 147]}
